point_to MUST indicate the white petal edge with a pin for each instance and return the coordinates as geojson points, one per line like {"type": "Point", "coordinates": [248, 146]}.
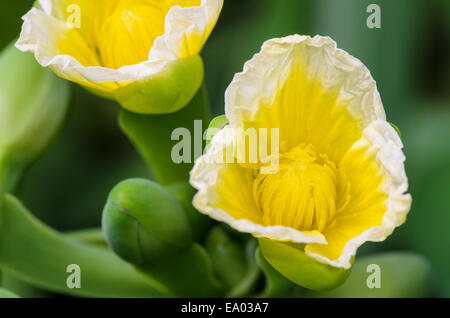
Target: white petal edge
{"type": "Point", "coordinates": [179, 23]}
{"type": "Point", "coordinates": [383, 141]}
{"type": "Point", "coordinates": [204, 177]}
{"type": "Point", "coordinates": [268, 70]}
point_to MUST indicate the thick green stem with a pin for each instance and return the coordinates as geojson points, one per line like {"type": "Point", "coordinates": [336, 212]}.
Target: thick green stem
{"type": "Point", "coordinates": [152, 135]}
{"type": "Point", "coordinates": [10, 172]}
{"type": "Point", "coordinates": [186, 274]}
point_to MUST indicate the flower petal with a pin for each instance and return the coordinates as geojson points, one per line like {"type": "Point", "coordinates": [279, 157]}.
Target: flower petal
{"type": "Point", "coordinates": [186, 30]}
{"type": "Point", "coordinates": [378, 204]}
{"type": "Point", "coordinates": [310, 90]}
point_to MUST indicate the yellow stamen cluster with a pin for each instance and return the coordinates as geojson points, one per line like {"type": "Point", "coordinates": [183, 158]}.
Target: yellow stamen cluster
{"type": "Point", "coordinates": [124, 32]}
{"type": "Point", "coordinates": [302, 194]}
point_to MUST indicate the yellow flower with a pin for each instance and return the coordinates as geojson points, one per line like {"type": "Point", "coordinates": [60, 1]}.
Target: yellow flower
{"type": "Point", "coordinates": [340, 180]}
{"type": "Point", "coordinates": [129, 50]}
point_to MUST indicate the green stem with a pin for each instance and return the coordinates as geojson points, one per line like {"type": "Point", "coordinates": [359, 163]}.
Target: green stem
{"type": "Point", "coordinates": [35, 254]}
{"type": "Point", "coordinates": [200, 223]}
{"type": "Point", "coordinates": [152, 136]}
{"type": "Point", "coordinates": [92, 236]}
{"type": "Point", "coordinates": [186, 274]}
{"type": "Point", "coordinates": [10, 172]}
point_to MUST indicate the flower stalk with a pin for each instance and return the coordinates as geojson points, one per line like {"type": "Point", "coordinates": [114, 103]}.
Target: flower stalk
{"type": "Point", "coordinates": [152, 136]}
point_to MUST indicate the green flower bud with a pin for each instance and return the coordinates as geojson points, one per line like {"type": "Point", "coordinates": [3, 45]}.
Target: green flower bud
{"type": "Point", "coordinates": [291, 261]}
{"type": "Point", "coordinates": [33, 104]}
{"type": "Point", "coordinates": [142, 222]}
{"type": "Point", "coordinates": [167, 91]}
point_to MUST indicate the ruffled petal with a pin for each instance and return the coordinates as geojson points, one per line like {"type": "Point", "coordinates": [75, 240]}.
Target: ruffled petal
{"type": "Point", "coordinates": [186, 30]}
{"type": "Point", "coordinates": [310, 90]}
{"type": "Point", "coordinates": [378, 204]}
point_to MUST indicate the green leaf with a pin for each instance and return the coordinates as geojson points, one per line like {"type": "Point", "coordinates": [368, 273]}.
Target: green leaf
{"type": "Point", "coordinates": [33, 105]}
{"type": "Point", "coordinates": [402, 274]}
{"type": "Point", "coordinates": [4, 293]}
{"type": "Point", "coordinates": [294, 264]}
{"type": "Point", "coordinates": [152, 136]}
{"type": "Point", "coordinates": [186, 274]}
{"type": "Point", "coordinates": [250, 280]}
{"type": "Point", "coordinates": [227, 256]}
{"type": "Point", "coordinates": [37, 255]}
{"type": "Point", "coordinates": [21, 288]}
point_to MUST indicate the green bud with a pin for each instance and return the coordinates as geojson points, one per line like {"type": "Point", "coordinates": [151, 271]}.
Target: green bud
{"type": "Point", "coordinates": [291, 261]}
{"type": "Point", "coordinates": [33, 104]}
{"type": "Point", "coordinates": [142, 222]}
{"type": "Point", "coordinates": [165, 92]}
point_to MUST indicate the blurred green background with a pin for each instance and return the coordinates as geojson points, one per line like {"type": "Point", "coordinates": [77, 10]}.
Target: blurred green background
{"type": "Point", "coordinates": [409, 57]}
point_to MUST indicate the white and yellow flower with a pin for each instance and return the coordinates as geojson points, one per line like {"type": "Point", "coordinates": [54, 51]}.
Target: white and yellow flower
{"type": "Point", "coordinates": [341, 178]}
{"type": "Point", "coordinates": [143, 53]}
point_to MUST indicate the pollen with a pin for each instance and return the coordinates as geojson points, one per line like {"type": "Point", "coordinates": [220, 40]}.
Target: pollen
{"type": "Point", "coordinates": [303, 194]}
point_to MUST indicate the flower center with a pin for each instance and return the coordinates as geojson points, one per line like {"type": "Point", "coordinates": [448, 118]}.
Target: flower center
{"type": "Point", "coordinates": [123, 32]}
{"type": "Point", "coordinates": [302, 194]}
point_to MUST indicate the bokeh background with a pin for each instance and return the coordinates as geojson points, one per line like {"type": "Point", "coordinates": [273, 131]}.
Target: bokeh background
{"type": "Point", "coordinates": [409, 57]}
